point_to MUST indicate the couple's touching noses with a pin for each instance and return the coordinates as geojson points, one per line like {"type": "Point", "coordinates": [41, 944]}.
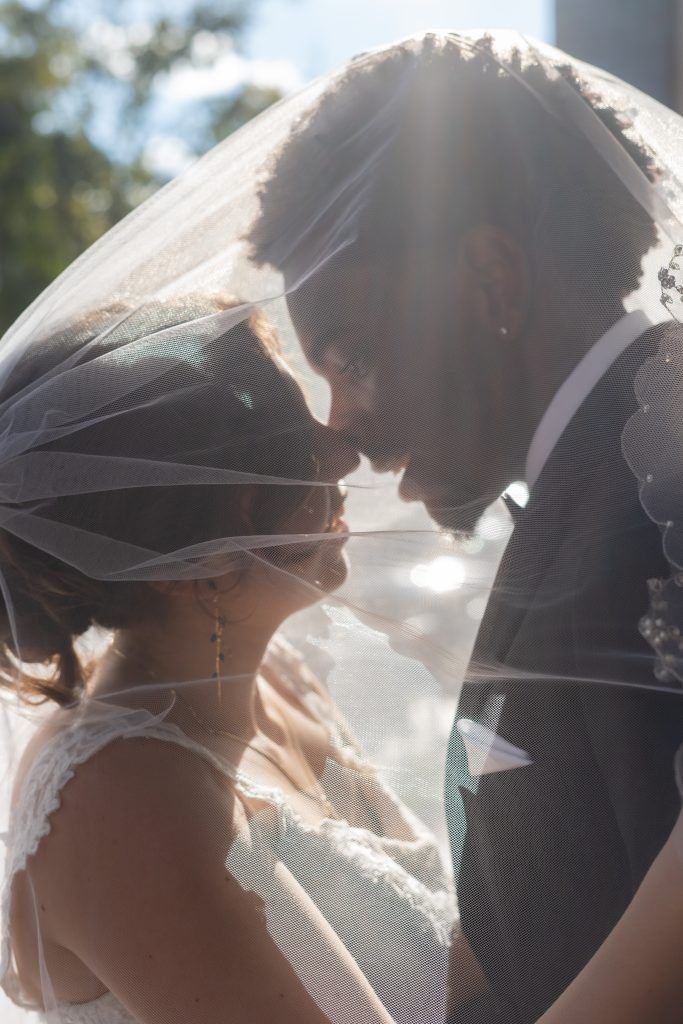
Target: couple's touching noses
{"type": "Point", "coordinates": [468, 315]}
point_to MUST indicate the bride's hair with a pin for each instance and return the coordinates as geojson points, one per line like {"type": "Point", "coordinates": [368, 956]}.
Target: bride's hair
{"type": "Point", "coordinates": [250, 417]}
{"type": "Point", "coordinates": [448, 139]}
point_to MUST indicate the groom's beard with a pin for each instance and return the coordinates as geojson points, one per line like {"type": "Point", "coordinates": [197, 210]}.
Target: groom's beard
{"type": "Point", "coordinates": [450, 509]}
{"type": "Point", "coordinates": [458, 520]}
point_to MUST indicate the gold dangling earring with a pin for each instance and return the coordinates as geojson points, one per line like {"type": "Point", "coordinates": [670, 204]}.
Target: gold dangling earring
{"type": "Point", "coordinates": [217, 639]}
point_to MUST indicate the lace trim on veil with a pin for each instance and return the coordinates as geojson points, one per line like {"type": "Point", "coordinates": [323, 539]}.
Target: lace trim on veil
{"type": "Point", "coordinates": [651, 444]}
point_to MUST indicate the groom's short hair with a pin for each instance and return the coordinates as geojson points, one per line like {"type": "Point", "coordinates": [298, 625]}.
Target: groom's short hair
{"type": "Point", "coordinates": [416, 124]}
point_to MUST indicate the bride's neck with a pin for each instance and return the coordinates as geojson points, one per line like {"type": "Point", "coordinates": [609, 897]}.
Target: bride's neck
{"type": "Point", "coordinates": [181, 650]}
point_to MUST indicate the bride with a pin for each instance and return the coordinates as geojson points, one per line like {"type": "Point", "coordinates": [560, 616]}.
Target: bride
{"type": "Point", "coordinates": [187, 873]}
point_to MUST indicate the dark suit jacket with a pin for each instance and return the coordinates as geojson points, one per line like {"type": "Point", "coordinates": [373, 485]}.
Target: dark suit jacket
{"type": "Point", "coordinates": [548, 856]}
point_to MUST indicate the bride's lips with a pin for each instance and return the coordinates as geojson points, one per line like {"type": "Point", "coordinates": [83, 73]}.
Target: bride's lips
{"type": "Point", "coordinates": [337, 524]}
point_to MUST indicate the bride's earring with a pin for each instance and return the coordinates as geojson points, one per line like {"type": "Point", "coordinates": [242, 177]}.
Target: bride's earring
{"type": "Point", "coordinates": [503, 331]}
{"type": "Point", "coordinates": [217, 639]}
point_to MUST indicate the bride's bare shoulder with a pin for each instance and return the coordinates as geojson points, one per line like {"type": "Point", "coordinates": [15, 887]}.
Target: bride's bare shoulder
{"type": "Point", "coordinates": [139, 792]}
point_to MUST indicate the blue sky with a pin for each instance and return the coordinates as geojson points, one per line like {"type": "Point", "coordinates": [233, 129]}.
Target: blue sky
{"type": "Point", "coordinates": [292, 41]}
{"type": "Point", "coordinates": [316, 35]}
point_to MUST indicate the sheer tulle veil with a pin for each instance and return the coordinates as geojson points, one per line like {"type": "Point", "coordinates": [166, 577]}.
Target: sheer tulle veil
{"type": "Point", "coordinates": [173, 373]}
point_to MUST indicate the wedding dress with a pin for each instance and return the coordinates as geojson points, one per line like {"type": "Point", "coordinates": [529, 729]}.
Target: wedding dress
{"type": "Point", "coordinates": [393, 895]}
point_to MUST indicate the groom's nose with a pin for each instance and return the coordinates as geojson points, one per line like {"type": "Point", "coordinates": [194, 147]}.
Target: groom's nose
{"type": "Point", "coordinates": [341, 456]}
{"type": "Point", "coordinates": [346, 427]}
{"type": "Point", "coordinates": [347, 461]}
{"type": "Point", "coordinates": [359, 425]}
{"type": "Point", "coordinates": [367, 434]}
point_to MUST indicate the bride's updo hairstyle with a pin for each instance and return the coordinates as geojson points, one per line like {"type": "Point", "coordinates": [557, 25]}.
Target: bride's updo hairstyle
{"type": "Point", "coordinates": [251, 418]}
{"type": "Point", "coordinates": [470, 139]}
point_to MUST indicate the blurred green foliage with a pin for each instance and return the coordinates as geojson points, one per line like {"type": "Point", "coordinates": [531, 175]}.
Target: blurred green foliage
{"type": "Point", "coordinates": [77, 110]}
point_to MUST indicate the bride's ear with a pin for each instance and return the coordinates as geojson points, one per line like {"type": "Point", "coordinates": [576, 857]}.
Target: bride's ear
{"type": "Point", "coordinates": [493, 279]}
{"type": "Point", "coordinates": [247, 507]}
{"type": "Point", "coordinates": [245, 527]}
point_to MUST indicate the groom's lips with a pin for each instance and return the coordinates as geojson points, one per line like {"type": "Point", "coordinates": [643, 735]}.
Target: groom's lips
{"type": "Point", "coordinates": [412, 489]}
{"type": "Point", "coordinates": [438, 503]}
{"type": "Point", "coordinates": [457, 517]}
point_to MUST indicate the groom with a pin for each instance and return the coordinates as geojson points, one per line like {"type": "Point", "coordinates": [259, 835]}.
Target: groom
{"type": "Point", "coordinates": [469, 318]}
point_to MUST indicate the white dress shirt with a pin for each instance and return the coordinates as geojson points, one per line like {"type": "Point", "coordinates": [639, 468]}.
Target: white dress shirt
{"type": "Point", "coordinates": [578, 386]}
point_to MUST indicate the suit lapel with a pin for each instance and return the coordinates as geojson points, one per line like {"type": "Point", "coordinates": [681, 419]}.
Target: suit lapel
{"type": "Point", "coordinates": [591, 441]}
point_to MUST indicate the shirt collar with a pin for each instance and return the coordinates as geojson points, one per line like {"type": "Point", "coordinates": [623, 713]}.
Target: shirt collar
{"type": "Point", "coordinates": [577, 387]}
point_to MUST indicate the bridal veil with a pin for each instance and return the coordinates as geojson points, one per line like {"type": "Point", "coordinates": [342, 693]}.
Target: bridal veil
{"type": "Point", "coordinates": [160, 383]}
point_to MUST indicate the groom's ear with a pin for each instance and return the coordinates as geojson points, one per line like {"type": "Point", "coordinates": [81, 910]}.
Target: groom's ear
{"type": "Point", "coordinates": [493, 279]}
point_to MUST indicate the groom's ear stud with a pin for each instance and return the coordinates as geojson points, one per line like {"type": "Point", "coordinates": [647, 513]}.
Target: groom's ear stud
{"type": "Point", "coordinates": [493, 280]}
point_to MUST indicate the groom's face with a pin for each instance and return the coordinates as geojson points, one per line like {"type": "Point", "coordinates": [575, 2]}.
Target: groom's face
{"type": "Point", "coordinates": [380, 340]}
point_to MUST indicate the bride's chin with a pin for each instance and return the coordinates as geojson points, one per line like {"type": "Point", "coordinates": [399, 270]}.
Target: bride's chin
{"type": "Point", "coordinates": [332, 571]}
{"type": "Point", "coordinates": [316, 576]}
{"type": "Point", "coordinates": [327, 571]}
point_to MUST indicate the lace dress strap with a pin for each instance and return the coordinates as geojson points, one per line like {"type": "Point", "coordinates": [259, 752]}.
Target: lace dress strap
{"type": "Point", "coordinates": [94, 725]}
{"type": "Point", "coordinates": [92, 728]}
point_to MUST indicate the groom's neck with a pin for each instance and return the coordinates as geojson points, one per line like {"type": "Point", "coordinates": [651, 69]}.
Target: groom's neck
{"type": "Point", "coordinates": [552, 353]}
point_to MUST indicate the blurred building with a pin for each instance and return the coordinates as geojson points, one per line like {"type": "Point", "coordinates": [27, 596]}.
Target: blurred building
{"type": "Point", "coordinates": [640, 41]}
